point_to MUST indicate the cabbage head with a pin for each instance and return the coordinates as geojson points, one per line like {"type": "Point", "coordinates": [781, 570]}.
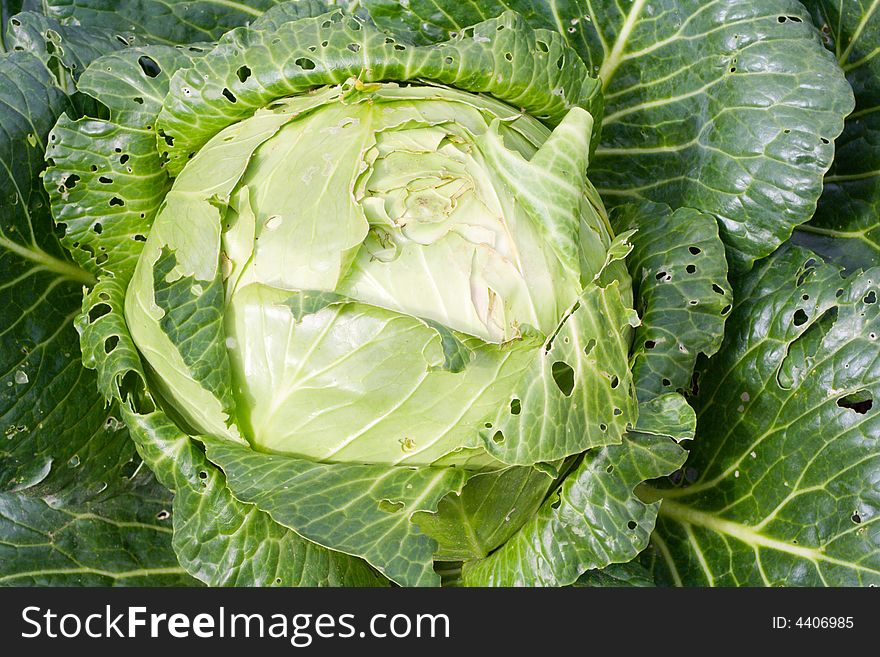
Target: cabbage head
{"type": "Point", "coordinates": [361, 297]}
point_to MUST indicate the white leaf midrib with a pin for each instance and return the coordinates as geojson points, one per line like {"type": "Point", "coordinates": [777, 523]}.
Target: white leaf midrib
{"type": "Point", "coordinates": [50, 263]}
{"type": "Point", "coordinates": [615, 57]}
{"type": "Point", "coordinates": [689, 516]}
{"type": "Point", "coordinates": [857, 33]}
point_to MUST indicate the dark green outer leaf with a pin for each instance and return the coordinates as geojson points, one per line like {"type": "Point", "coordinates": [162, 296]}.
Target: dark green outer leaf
{"type": "Point", "coordinates": [422, 21]}
{"type": "Point", "coordinates": [58, 437]}
{"type": "Point", "coordinates": [291, 11]}
{"type": "Point", "coordinates": [66, 51]}
{"type": "Point", "coordinates": [8, 8]}
{"type": "Point", "coordinates": [847, 222]}
{"type": "Point", "coordinates": [161, 21]}
{"type": "Point", "coordinates": [122, 541]}
{"type": "Point", "coordinates": [787, 455]}
{"type": "Point", "coordinates": [364, 510]}
{"type": "Point", "coordinates": [680, 285]}
{"type": "Point", "coordinates": [101, 522]}
{"type": "Point", "coordinates": [726, 106]}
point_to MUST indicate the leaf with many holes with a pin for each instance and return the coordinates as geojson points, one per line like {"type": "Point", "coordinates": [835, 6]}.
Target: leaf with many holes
{"type": "Point", "coordinates": [66, 51]}
{"type": "Point", "coordinates": [786, 460]}
{"type": "Point", "coordinates": [122, 541]}
{"type": "Point", "coordinates": [847, 222]}
{"type": "Point", "coordinates": [594, 519]}
{"type": "Point", "coordinates": [500, 56]}
{"type": "Point", "coordinates": [726, 106]}
{"type": "Point", "coordinates": [58, 437]}
{"type": "Point", "coordinates": [161, 21]}
{"type": "Point", "coordinates": [577, 393]}
{"type": "Point", "coordinates": [106, 180]}
{"type": "Point", "coordinates": [680, 285]}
